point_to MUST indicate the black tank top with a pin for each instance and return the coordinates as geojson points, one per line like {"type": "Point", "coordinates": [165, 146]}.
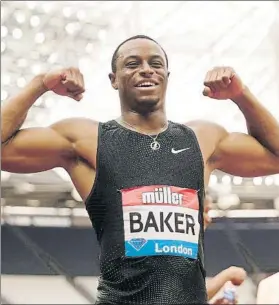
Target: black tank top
{"type": "Point", "coordinates": [146, 208]}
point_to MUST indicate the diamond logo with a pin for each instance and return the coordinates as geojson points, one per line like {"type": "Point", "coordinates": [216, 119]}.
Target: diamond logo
{"type": "Point", "coordinates": [137, 243]}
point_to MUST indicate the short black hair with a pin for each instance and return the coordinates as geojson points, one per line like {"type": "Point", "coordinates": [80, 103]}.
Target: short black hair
{"type": "Point", "coordinates": [115, 54]}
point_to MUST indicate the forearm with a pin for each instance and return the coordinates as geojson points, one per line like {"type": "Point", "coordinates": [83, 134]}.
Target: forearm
{"type": "Point", "coordinates": [260, 122]}
{"type": "Point", "coordinates": [14, 111]}
{"type": "Point", "coordinates": [216, 283]}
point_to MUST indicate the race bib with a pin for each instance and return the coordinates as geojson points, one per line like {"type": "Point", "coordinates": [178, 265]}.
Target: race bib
{"type": "Point", "coordinates": [160, 220]}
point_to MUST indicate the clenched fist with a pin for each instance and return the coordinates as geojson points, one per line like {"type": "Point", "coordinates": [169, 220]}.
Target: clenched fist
{"type": "Point", "coordinates": [222, 83]}
{"type": "Point", "coordinates": [66, 82]}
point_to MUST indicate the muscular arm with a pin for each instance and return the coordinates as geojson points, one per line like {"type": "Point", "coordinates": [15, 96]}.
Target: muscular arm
{"type": "Point", "coordinates": [242, 155]}
{"type": "Point", "coordinates": [237, 154]}
{"type": "Point", "coordinates": [256, 154]}
{"type": "Point", "coordinates": [14, 111]}
{"type": "Point", "coordinates": [39, 149]}
{"type": "Point", "coordinates": [260, 123]}
{"type": "Point", "coordinates": [36, 149]}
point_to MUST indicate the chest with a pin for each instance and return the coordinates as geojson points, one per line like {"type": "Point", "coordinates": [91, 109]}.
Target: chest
{"type": "Point", "coordinates": [132, 162]}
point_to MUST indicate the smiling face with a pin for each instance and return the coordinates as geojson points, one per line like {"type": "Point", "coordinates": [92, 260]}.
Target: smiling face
{"type": "Point", "coordinates": [141, 75]}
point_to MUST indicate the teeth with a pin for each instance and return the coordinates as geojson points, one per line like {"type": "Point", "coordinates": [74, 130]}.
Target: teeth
{"type": "Point", "coordinates": [146, 84]}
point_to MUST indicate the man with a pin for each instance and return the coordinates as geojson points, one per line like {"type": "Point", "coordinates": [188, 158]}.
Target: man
{"type": "Point", "coordinates": [141, 176]}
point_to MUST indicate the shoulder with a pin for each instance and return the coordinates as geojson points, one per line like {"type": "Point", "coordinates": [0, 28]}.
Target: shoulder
{"type": "Point", "coordinates": [76, 128]}
{"type": "Point", "coordinates": [75, 122]}
{"type": "Point", "coordinates": [209, 135]}
{"type": "Point", "coordinates": [208, 131]}
{"type": "Point", "coordinates": [203, 126]}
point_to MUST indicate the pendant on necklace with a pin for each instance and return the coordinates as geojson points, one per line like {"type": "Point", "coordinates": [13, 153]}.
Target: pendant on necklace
{"type": "Point", "coordinates": [155, 145]}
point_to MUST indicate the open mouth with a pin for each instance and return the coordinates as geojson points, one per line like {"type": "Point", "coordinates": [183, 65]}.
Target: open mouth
{"type": "Point", "coordinates": [146, 85]}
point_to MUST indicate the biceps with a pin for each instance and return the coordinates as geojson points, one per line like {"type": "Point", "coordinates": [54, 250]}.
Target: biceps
{"type": "Point", "coordinates": [34, 150]}
{"type": "Point", "coordinates": [27, 165]}
{"type": "Point", "coordinates": [242, 155]}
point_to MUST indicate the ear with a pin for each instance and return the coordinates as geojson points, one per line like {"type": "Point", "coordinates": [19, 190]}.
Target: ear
{"type": "Point", "coordinates": [168, 74]}
{"type": "Point", "coordinates": [113, 81]}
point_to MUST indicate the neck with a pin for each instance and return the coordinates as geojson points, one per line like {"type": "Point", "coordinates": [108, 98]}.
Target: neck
{"type": "Point", "coordinates": [152, 122]}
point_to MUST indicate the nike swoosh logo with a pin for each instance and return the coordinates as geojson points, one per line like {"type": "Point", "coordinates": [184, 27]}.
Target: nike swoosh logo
{"type": "Point", "coordinates": [179, 150]}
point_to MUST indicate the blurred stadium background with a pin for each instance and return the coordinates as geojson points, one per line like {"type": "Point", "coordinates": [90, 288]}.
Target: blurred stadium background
{"type": "Point", "coordinates": [49, 251]}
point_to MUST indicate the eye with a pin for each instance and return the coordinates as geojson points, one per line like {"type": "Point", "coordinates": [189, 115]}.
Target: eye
{"type": "Point", "coordinates": [156, 64]}
{"type": "Point", "coordinates": [132, 64]}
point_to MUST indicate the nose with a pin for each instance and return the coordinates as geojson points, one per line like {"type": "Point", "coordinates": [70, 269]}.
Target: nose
{"type": "Point", "coordinates": [146, 69]}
